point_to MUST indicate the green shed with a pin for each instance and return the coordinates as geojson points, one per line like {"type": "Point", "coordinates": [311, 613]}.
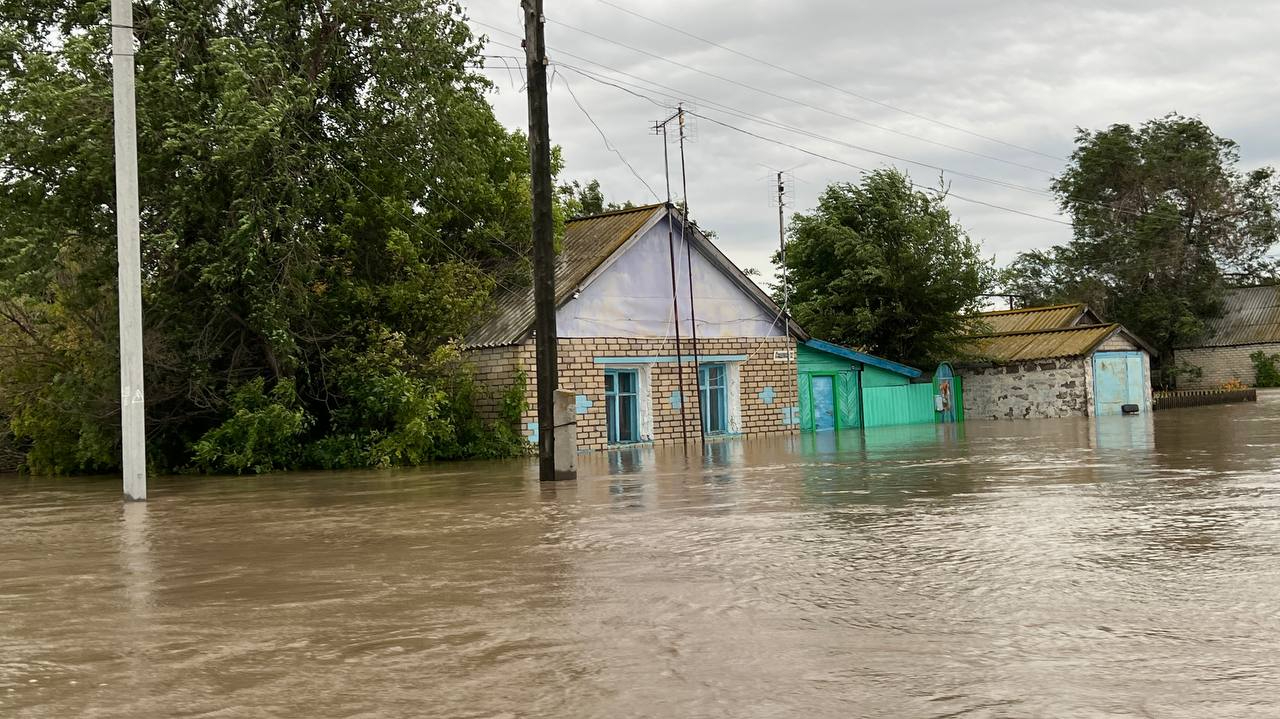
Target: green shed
{"type": "Point", "coordinates": [842, 388]}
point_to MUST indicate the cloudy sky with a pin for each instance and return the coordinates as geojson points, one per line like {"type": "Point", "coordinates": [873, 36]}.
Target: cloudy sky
{"type": "Point", "coordinates": [990, 89]}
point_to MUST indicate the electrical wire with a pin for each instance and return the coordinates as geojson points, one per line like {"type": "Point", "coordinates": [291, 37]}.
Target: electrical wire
{"type": "Point", "coordinates": [865, 170]}
{"type": "Point", "coordinates": [608, 146]}
{"type": "Point", "coordinates": [798, 102]}
{"type": "Point", "coordinates": [819, 155]}
{"type": "Point", "coordinates": [813, 135]}
{"type": "Point", "coordinates": [742, 114]}
{"type": "Point", "coordinates": [830, 86]}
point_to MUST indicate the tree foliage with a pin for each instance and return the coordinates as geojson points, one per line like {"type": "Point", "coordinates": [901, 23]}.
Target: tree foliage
{"type": "Point", "coordinates": [884, 266]}
{"type": "Point", "coordinates": [1164, 220]}
{"type": "Point", "coordinates": [327, 201]}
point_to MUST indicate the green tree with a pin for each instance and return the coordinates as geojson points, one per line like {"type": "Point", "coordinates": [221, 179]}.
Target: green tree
{"type": "Point", "coordinates": [884, 266]}
{"type": "Point", "coordinates": [327, 200]}
{"type": "Point", "coordinates": [1163, 221]}
{"type": "Point", "coordinates": [579, 200]}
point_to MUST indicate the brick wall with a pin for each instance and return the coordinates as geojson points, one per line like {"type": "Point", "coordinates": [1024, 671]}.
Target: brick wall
{"type": "Point", "coordinates": [1045, 388]}
{"type": "Point", "coordinates": [579, 373]}
{"type": "Point", "coordinates": [1219, 365]}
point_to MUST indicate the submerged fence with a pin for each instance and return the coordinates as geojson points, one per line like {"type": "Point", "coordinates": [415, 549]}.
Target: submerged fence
{"type": "Point", "coordinates": [1199, 397]}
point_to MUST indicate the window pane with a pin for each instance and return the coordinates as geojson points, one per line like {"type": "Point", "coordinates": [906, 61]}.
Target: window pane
{"type": "Point", "coordinates": [626, 419]}
{"type": "Point", "coordinates": [608, 381]}
{"type": "Point", "coordinates": [627, 382]}
{"type": "Point", "coordinates": [610, 418]}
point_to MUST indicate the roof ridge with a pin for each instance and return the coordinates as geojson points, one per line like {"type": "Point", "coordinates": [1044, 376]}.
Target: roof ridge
{"type": "Point", "coordinates": [1074, 328]}
{"type": "Point", "coordinates": [610, 213]}
{"type": "Point", "coordinates": [1021, 310]}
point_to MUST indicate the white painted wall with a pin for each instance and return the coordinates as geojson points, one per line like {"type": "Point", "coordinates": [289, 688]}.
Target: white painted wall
{"type": "Point", "coordinates": [632, 297]}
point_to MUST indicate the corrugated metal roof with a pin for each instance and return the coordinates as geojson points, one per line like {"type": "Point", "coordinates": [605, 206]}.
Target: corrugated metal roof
{"type": "Point", "coordinates": [588, 242]}
{"type": "Point", "coordinates": [864, 358]}
{"type": "Point", "coordinates": [1033, 318]}
{"type": "Point", "coordinates": [1251, 316]}
{"type": "Point", "coordinates": [1044, 344]}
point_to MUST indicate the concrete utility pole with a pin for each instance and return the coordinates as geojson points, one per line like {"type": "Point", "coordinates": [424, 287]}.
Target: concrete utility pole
{"type": "Point", "coordinates": [133, 413]}
{"type": "Point", "coordinates": [544, 253]}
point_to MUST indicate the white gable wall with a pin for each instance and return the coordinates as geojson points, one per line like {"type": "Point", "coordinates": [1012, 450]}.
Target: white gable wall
{"type": "Point", "coordinates": [632, 297]}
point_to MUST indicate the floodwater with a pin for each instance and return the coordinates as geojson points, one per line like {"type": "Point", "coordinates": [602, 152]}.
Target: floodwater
{"type": "Point", "coordinates": [1128, 568]}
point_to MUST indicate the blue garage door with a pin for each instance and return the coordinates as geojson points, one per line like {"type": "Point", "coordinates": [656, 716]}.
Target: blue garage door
{"type": "Point", "coordinates": [1118, 379]}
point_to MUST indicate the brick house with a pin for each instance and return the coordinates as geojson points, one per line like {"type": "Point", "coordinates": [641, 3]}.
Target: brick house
{"type": "Point", "coordinates": [1060, 361]}
{"type": "Point", "coordinates": [1250, 323]}
{"type": "Point", "coordinates": [617, 327]}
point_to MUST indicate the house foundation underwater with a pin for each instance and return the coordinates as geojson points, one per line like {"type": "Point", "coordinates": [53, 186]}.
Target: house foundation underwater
{"type": "Point", "coordinates": [618, 349]}
{"type": "Point", "coordinates": [639, 375]}
{"type": "Point", "coordinates": [1058, 361]}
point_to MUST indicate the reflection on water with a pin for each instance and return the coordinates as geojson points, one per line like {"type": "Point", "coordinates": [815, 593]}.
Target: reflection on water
{"type": "Point", "coordinates": [1123, 567]}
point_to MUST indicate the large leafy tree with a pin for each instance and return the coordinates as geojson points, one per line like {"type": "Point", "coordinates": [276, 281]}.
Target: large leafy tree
{"type": "Point", "coordinates": [884, 266]}
{"type": "Point", "coordinates": [327, 201]}
{"type": "Point", "coordinates": [1164, 219]}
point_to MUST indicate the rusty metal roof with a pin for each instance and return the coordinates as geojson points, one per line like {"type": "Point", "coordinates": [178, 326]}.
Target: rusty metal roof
{"type": "Point", "coordinates": [1251, 316]}
{"type": "Point", "coordinates": [588, 242]}
{"type": "Point", "coordinates": [1044, 344]}
{"type": "Point", "coordinates": [1035, 318]}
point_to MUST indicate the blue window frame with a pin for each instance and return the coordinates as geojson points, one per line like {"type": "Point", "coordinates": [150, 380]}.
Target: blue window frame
{"type": "Point", "coordinates": [713, 396]}
{"type": "Point", "coordinates": [622, 405]}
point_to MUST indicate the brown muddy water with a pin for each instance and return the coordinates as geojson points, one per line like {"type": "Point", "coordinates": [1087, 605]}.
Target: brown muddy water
{"type": "Point", "coordinates": [1129, 568]}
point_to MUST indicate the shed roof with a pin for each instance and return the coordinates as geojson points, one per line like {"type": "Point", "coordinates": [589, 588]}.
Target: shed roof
{"type": "Point", "coordinates": [863, 357]}
{"type": "Point", "coordinates": [1251, 315]}
{"type": "Point", "coordinates": [588, 243]}
{"type": "Point", "coordinates": [1045, 344]}
{"type": "Point", "coordinates": [1037, 318]}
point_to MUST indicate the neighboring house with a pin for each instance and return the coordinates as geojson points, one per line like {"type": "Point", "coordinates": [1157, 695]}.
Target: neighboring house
{"type": "Point", "coordinates": [1059, 361]}
{"type": "Point", "coordinates": [842, 388]}
{"type": "Point", "coordinates": [1250, 323]}
{"type": "Point", "coordinates": [617, 347]}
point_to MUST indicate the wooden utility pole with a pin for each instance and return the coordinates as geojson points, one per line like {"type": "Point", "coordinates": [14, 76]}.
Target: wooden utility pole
{"type": "Point", "coordinates": [133, 415]}
{"type": "Point", "coordinates": [544, 253]}
{"type": "Point", "coordinates": [688, 250]}
{"type": "Point", "coordinates": [661, 129]}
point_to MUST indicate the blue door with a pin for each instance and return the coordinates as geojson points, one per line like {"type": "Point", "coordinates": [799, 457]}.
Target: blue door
{"type": "Point", "coordinates": [824, 402]}
{"type": "Point", "coordinates": [1118, 379]}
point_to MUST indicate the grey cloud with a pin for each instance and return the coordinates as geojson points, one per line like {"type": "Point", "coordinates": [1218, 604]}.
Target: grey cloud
{"type": "Point", "coordinates": [1025, 72]}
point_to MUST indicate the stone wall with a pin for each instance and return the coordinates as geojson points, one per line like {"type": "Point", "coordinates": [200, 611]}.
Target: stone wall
{"type": "Point", "coordinates": [1220, 365]}
{"type": "Point", "coordinates": [1027, 390]}
{"type": "Point", "coordinates": [765, 387]}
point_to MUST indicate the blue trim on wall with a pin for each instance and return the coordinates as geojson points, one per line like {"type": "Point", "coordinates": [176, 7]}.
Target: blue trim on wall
{"type": "Point", "coordinates": [856, 356]}
{"type": "Point", "coordinates": [702, 359]}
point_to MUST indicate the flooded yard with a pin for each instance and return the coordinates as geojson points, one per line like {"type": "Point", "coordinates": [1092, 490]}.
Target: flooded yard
{"type": "Point", "coordinates": [1059, 568]}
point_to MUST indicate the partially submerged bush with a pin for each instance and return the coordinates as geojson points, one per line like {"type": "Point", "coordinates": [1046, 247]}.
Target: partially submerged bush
{"type": "Point", "coordinates": [1264, 366]}
{"type": "Point", "coordinates": [261, 434]}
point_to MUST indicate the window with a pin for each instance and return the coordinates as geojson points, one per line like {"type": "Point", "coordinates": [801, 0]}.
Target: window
{"type": "Point", "coordinates": [713, 397]}
{"type": "Point", "coordinates": [622, 405]}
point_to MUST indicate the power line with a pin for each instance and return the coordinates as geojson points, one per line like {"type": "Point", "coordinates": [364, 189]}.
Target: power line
{"type": "Point", "coordinates": [798, 102]}
{"type": "Point", "coordinates": [608, 146]}
{"type": "Point", "coordinates": [815, 154]}
{"type": "Point", "coordinates": [865, 170]}
{"type": "Point", "coordinates": [742, 114]}
{"type": "Point", "coordinates": [830, 86]}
